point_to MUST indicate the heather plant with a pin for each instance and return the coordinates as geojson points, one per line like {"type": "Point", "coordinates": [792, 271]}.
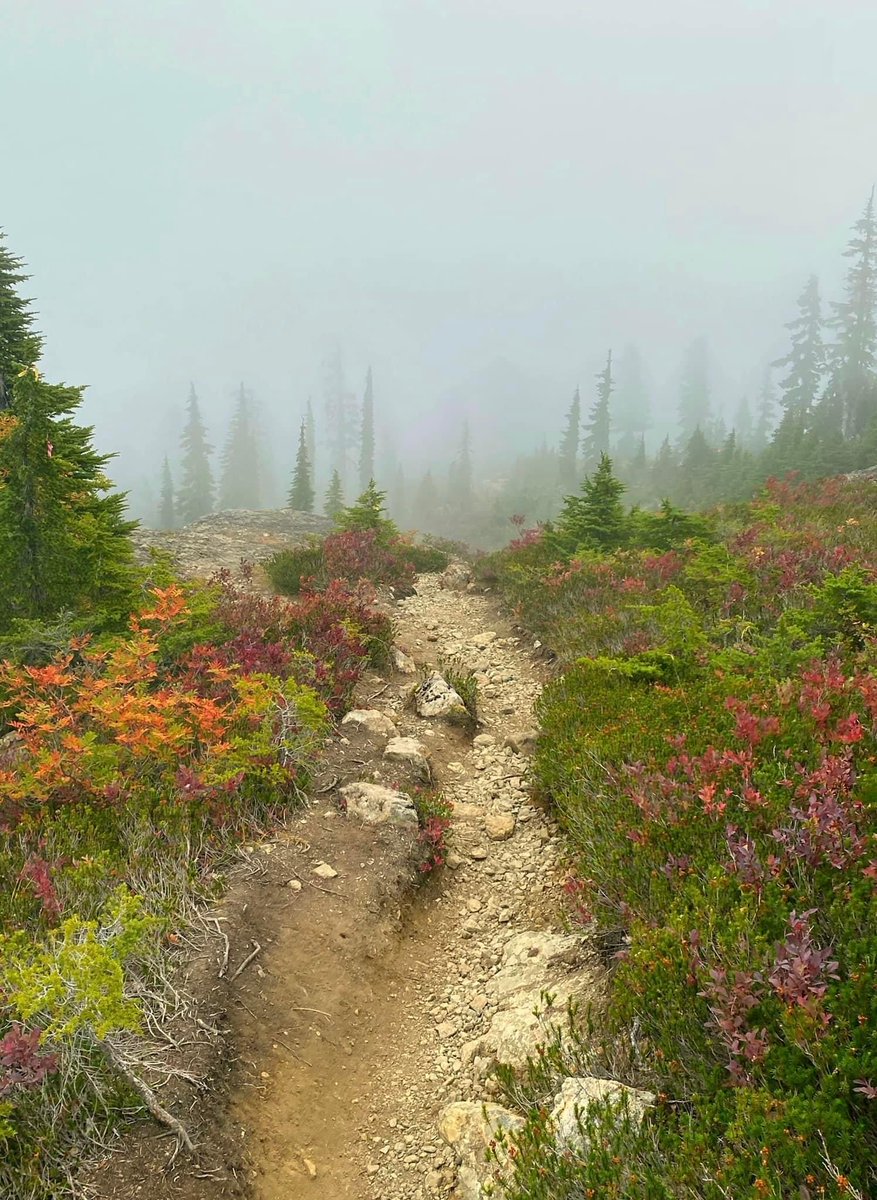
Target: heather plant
{"type": "Point", "coordinates": [709, 750]}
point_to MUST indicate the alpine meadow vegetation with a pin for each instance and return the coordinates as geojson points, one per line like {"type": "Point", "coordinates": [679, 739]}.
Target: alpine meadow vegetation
{"type": "Point", "coordinates": [709, 749]}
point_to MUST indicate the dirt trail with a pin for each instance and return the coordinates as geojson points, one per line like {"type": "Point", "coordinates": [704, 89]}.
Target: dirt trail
{"type": "Point", "coordinates": [358, 1019]}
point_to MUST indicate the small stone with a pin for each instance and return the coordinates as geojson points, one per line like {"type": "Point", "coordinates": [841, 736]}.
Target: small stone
{"type": "Point", "coordinates": [499, 826]}
{"type": "Point", "coordinates": [375, 723]}
{"type": "Point", "coordinates": [294, 884]}
{"type": "Point", "coordinates": [310, 1167]}
{"type": "Point", "coordinates": [325, 871]}
{"type": "Point", "coordinates": [479, 853]}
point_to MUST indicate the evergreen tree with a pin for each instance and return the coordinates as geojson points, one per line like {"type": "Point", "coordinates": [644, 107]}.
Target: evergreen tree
{"type": "Point", "coordinates": [805, 361]}
{"type": "Point", "coordinates": [694, 393]}
{"type": "Point", "coordinates": [368, 514]}
{"type": "Point", "coordinates": [426, 503]}
{"type": "Point", "coordinates": [20, 346]}
{"type": "Point", "coordinates": [696, 472]}
{"type": "Point", "coordinates": [855, 320]}
{"type": "Point", "coordinates": [595, 517]}
{"type": "Point", "coordinates": [596, 439]}
{"type": "Point", "coordinates": [167, 510]}
{"type": "Point", "coordinates": [311, 439]}
{"type": "Point", "coordinates": [367, 435]}
{"type": "Point", "coordinates": [301, 493]}
{"type": "Point", "coordinates": [765, 418]}
{"type": "Point", "coordinates": [342, 417]}
{"type": "Point", "coordinates": [64, 540]}
{"type": "Point", "coordinates": [665, 471]}
{"type": "Point", "coordinates": [240, 483]}
{"type": "Point", "coordinates": [631, 412]}
{"type": "Point", "coordinates": [743, 422]}
{"type": "Point", "coordinates": [568, 457]}
{"type": "Point", "coordinates": [334, 496]}
{"type": "Point", "coordinates": [460, 474]}
{"type": "Point", "coordinates": [196, 495]}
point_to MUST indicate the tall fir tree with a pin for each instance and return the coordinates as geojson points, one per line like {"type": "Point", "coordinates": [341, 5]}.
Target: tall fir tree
{"type": "Point", "coordinates": [598, 429]}
{"type": "Point", "coordinates": [64, 540]}
{"type": "Point", "coordinates": [334, 501]}
{"type": "Point", "coordinates": [665, 471]}
{"type": "Point", "coordinates": [743, 422]}
{"type": "Point", "coordinates": [460, 476]}
{"type": "Point", "coordinates": [855, 321]}
{"type": "Point", "coordinates": [765, 413]}
{"type": "Point", "coordinates": [694, 391]}
{"type": "Point", "coordinates": [20, 345]}
{"type": "Point", "coordinates": [196, 495]}
{"type": "Point", "coordinates": [311, 438]}
{"type": "Point", "coordinates": [367, 435]}
{"type": "Point", "coordinates": [805, 363]}
{"type": "Point", "coordinates": [568, 456]}
{"type": "Point", "coordinates": [239, 485]}
{"type": "Point", "coordinates": [631, 412]}
{"type": "Point", "coordinates": [167, 508]}
{"type": "Point", "coordinates": [301, 493]}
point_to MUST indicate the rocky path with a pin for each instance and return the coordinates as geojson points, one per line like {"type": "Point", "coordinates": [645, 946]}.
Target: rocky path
{"type": "Point", "coordinates": [360, 1037]}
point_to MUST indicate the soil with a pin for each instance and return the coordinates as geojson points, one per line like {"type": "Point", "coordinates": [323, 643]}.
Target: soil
{"type": "Point", "coordinates": [342, 1036]}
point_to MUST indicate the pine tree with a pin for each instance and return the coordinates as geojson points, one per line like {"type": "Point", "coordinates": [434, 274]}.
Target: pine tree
{"type": "Point", "coordinates": [20, 346]}
{"type": "Point", "coordinates": [64, 540]}
{"type": "Point", "coordinates": [367, 435]}
{"type": "Point", "coordinates": [595, 517]}
{"type": "Point", "coordinates": [631, 414]}
{"type": "Point", "coordinates": [368, 514]}
{"type": "Point", "coordinates": [240, 483]}
{"type": "Point", "coordinates": [167, 509]}
{"type": "Point", "coordinates": [743, 422]}
{"type": "Point", "coordinates": [665, 471]}
{"type": "Point", "coordinates": [334, 502]}
{"type": "Point", "coordinates": [855, 319]}
{"type": "Point", "coordinates": [806, 360]}
{"type": "Point", "coordinates": [460, 474]}
{"type": "Point", "coordinates": [568, 456]}
{"type": "Point", "coordinates": [596, 439]}
{"type": "Point", "coordinates": [694, 392]}
{"type": "Point", "coordinates": [765, 413]}
{"type": "Point", "coordinates": [301, 493]}
{"type": "Point", "coordinates": [311, 438]}
{"type": "Point", "coordinates": [196, 494]}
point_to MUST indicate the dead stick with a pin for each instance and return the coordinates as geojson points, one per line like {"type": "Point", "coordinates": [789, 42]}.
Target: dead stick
{"type": "Point", "coordinates": [246, 961]}
{"type": "Point", "coordinates": [150, 1099]}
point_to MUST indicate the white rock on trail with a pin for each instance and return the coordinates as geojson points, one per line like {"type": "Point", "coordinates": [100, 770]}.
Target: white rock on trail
{"type": "Point", "coordinates": [456, 577]}
{"type": "Point", "coordinates": [377, 805]}
{"type": "Point", "coordinates": [372, 721]}
{"type": "Point", "coordinates": [436, 698]}
{"type": "Point", "coordinates": [409, 750]}
{"type": "Point", "coordinates": [402, 662]}
{"type": "Point", "coordinates": [579, 1092]}
{"type": "Point", "coordinates": [469, 1127]}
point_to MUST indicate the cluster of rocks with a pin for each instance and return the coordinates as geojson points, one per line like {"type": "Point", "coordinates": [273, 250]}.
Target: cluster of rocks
{"type": "Point", "coordinates": [504, 982]}
{"type": "Point", "coordinates": [223, 540]}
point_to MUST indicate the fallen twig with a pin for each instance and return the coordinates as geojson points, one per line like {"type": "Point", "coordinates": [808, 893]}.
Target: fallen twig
{"type": "Point", "coordinates": [150, 1099]}
{"type": "Point", "coordinates": [257, 949]}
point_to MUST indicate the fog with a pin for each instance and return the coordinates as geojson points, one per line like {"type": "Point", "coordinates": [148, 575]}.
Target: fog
{"type": "Point", "coordinates": [476, 197]}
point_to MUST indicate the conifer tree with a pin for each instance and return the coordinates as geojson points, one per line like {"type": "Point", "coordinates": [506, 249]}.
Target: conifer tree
{"type": "Point", "coordinates": [743, 422]}
{"type": "Point", "coordinates": [595, 517]}
{"type": "Point", "coordinates": [20, 346]}
{"type": "Point", "coordinates": [426, 503]}
{"type": "Point", "coordinates": [460, 474]}
{"type": "Point", "coordinates": [855, 320]}
{"type": "Point", "coordinates": [196, 495]}
{"type": "Point", "coordinates": [342, 417]}
{"type": "Point", "coordinates": [367, 435]}
{"type": "Point", "coordinates": [765, 413]}
{"type": "Point", "coordinates": [568, 456]}
{"type": "Point", "coordinates": [64, 540]}
{"type": "Point", "coordinates": [596, 439]}
{"type": "Point", "coordinates": [665, 470]}
{"type": "Point", "coordinates": [805, 362]}
{"type": "Point", "coordinates": [301, 493]}
{"type": "Point", "coordinates": [334, 502]}
{"type": "Point", "coordinates": [240, 483]}
{"type": "Point", "coordinates": [631, 413]}
{"type": "Point", "coordinates": [694, 393]}
{"type": "Point", "coordinates": [167, 511]}
{"type": "Point", "coordinates": [311, 439]}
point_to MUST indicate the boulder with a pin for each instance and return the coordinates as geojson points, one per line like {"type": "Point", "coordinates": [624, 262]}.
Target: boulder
{"type": "Point", "coordinates": [579, 1092]}
{"type": "Point", "coordinates": [411, 752]}
{"type": "Point", "coordinates": [402, 662]}
{"type": "Point", "coordinates": [436, 698]}
{"type": "Point", "coordinates": [523, 741]}
{"type": "Point", "coordinates": [469, 1127]}
{"type": "Point", "coordinates": [376, 724]}
{"type": "Point", "coordinates": [377, 805]}
{"type": "Point", "coordinates": [456, 577]}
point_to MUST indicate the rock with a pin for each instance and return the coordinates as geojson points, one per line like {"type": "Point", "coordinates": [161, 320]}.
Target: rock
{"type": "Point", "coordinates": [325, 871]}
{"type": "Point", "coordinates": [372, 721]}
{"type": "Point", "coordinates": [479, 853]}
{"type": "Point", "coordinates": [409, 750]}
{"type": "Point", "coordinates": [483, 740]}
{"type": "Point", "coordinates": [402, 663]}
{"type": "Point", "coordinates": [469, 1127]}
{"type": "Point", "coordinates": [482, 640]}
{"type": "Point", "coordinates": [522, 742]}
{"type": "Point", "coordinates": [455, 577]}
{"type": "Point", "coordinates": [499, 826]}
{"type": "Point", "coordinates": [581, 1091]}
{"type": "Point", "coordinates": [436, 698]}
{"type": "Point", "coordinates": [516, 1033]}
{"type": "Point", "coordinates": [310, 1167]}
{"type": "Point", "coordinates": [378, 805]}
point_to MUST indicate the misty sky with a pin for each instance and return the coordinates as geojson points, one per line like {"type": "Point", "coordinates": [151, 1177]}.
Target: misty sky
{"type": "Point", "coordinates": [471, 195]}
